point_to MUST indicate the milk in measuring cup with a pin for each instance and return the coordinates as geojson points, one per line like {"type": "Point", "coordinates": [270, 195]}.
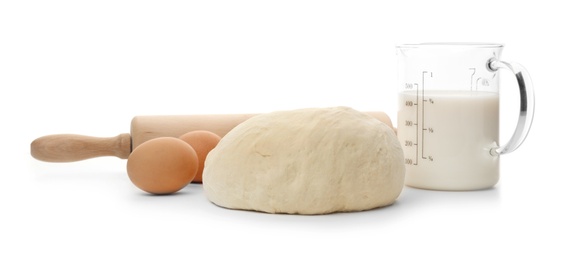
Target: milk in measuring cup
{"type": "Point", "coordinates": [439, 132]}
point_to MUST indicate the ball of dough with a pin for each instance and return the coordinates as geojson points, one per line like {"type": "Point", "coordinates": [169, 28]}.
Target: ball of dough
{"type": "Point", "coordinates": [306, 161]}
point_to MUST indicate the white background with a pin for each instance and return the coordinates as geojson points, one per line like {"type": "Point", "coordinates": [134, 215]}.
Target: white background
{"type": "Point", "coordinates": [88, 67]}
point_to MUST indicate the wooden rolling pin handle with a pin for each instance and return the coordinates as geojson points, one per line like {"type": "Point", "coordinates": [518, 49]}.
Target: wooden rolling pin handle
{"type": "Point", "coordinates": [71, 148]}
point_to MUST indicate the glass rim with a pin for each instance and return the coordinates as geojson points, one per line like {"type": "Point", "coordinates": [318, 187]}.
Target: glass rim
{"type": "Point", "coordinates": [450, 45]}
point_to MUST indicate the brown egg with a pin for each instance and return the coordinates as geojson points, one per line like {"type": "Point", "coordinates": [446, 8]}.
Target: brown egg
{"type": "Point", "coordinates": [203, 142]}
{"type": "Point", "coordinates": [162, 165]}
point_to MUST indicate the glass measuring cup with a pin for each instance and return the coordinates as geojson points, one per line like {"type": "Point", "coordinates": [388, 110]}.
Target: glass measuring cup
{"type": "Point", "coordinates": [448, 117]}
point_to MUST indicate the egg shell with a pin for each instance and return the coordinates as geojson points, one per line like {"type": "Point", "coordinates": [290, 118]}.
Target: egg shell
{"type": "Point", "coordinates": [162, 165]}
{"type": "Point", "coordinates": [202, 142]}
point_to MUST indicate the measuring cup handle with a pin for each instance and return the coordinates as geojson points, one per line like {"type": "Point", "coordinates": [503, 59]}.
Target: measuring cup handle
{"type": "Point", "coordinates": [526, 114]}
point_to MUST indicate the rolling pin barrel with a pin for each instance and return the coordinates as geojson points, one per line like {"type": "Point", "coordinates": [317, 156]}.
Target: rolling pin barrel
{"type": "Point", "coordinates": [144, 128]}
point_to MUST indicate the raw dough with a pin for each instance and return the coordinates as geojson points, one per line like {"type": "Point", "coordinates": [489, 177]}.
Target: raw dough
{"type": "Point", "coordinates": [306, 161]}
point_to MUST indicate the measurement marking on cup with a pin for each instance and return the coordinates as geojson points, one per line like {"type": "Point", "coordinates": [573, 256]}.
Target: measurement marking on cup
{"type": "Point", "coordinates": [417, 128]}
{"type": "Point", "coordinates": [423, 126]}
{"type": "Point", "coordinates": [420, 104]}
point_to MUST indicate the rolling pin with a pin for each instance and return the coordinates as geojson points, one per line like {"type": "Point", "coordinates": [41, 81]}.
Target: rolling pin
{"type": "Point", "coordinates": [71, 147]}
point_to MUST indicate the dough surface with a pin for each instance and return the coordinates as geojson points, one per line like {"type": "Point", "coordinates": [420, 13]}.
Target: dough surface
{"type": "Point", "coordinates": [306, 161]}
